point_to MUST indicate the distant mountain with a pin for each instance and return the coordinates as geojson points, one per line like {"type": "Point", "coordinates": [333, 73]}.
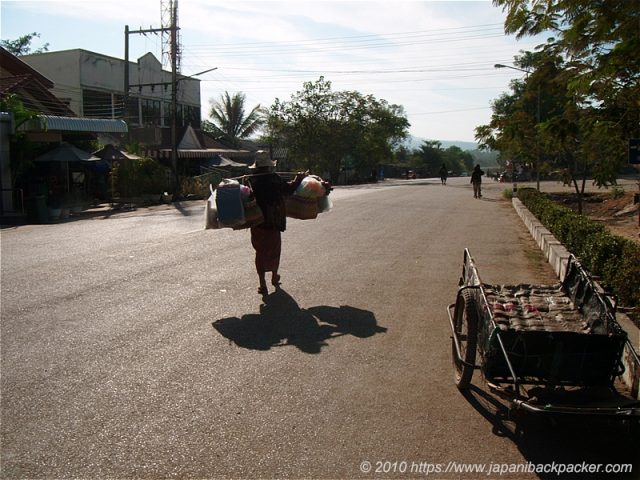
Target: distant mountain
{"type": "Point", "coordinates": [414, 143]}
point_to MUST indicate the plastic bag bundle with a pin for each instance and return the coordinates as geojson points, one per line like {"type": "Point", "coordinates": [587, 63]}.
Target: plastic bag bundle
{"type": "Point", "coordinates": [229, 203]}
{"type": "Point", "coordinates": [245, 192]}
{"type": "Point", "coordinates": [324, 204]}
{"type": "Point", "coordinates": [311, 187]}
{"type": "Point", "coordinates": [252, 214]}
{"type": "Point", "coordinates": [211, 211]}
{"type": "Point", "coordinates": [301, 208]}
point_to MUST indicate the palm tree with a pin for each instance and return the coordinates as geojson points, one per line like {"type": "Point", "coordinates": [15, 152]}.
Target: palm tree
{"type": "Point", "coordinates": [229, 120]}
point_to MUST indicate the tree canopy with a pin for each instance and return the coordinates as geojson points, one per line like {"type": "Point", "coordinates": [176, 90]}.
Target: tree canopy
{"type": "Point", "coordinates": [326, 131]}
{"type": "Point", "coordinates": [577, 104]}
{"type": "Point", "coordinates": [229, 119]}
{"type": "Point", "coordinates": [22, 45]}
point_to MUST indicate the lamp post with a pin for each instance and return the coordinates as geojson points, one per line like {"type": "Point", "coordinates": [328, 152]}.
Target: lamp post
{"type": "Point", "coordinates": [500, 65]}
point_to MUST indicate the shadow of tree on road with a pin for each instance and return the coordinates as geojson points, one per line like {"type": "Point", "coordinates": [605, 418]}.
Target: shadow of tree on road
{"type": "Point", "coordinates": [566, 441]}
{"type": "Point", "coordinates": [281, 322]}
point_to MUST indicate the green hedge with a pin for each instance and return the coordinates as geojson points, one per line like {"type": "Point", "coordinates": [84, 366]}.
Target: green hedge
{"type": "Point", "coordinates": [132, 178]}
{"type": "Point", "coordinates": [616, 260]}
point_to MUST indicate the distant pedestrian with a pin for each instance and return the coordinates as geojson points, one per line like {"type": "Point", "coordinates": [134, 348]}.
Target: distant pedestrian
{"type": "Point", "coordinates": [476, 181]}
{"type": "Point", "coordinates": [443, 174]}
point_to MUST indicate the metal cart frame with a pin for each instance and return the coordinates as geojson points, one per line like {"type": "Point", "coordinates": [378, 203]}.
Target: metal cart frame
{"type": "Point", "coordinates": [551, 372]}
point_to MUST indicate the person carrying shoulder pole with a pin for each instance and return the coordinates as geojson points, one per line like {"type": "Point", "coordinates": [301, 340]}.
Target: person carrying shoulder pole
{"type": "Point", "coordinates": [269, 190]}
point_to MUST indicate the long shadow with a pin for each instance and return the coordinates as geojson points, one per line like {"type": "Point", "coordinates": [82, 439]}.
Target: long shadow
{"type": "Point", "coordinates": [281, 322]}
{"type": "Point", "coordinates": [178, 206]}
{"type": "Point", "coordinates": [543, 440]}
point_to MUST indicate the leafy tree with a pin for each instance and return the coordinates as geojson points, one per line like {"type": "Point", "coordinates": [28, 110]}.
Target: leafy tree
{"type": "Point", "coordinates": [545, 120]}
{"type": "Point", "coordinates": [21, 148]}
{"type": "Point", "coordinates": [599, 38]}
{"type": "Point", "coordinates": [457, 161]}
{"type": "Point", "coordinates": [600, 43]}
{"type": "Point", "coordinates": [431, 155]}
{"type": "Point", "coordinates": [229, 119]}
{"type": "Point", "coordinates": [22, 45]}
{"type": "Point", "coordinates": [325, 130]}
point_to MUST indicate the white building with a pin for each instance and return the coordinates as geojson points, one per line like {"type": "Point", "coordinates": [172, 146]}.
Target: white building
{"type": "Point", "coordinates": [92, 85]}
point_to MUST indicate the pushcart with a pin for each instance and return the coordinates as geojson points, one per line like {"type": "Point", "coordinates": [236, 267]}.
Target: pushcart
{"type": "Point", "coordinates": [551, 349]}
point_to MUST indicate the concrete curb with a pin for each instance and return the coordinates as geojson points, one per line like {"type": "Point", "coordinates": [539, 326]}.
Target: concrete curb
{"type": "Point", "coordinates": [558, 257]}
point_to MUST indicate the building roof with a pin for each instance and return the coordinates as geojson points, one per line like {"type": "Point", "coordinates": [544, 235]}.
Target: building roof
{"type": "Point", "coordinates": [31, 87]}
{"type": "Point", "coordinates": [73, 124]}
{"type": "Point", "coordinates": [13, 66]}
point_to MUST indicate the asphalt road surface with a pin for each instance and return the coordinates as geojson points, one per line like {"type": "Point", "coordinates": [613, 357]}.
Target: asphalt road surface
{"type": "Point", "coordinates": [135, 345]}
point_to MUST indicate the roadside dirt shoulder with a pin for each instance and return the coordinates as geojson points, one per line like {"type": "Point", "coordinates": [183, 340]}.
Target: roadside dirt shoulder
{"type": "Point", "coordinates": [618, 213]}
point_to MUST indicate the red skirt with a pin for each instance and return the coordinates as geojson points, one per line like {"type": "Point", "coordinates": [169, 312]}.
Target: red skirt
{"type": "Point", "coordinates": [267, 244]}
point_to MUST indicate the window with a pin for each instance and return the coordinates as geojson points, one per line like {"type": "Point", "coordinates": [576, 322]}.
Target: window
{"type": "Point", "coordinates": [192, 116]}
{"type": "Point", "coordinates": [150, 112]}
{"type": "Point", "coordinates": [166, 114]}
{"type": "Point", "coordinates": [132, 116]}
{"type": "Point", "coordinates": [96, 104]}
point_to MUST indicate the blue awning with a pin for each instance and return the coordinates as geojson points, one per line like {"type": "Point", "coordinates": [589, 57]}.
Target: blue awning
{"type": "Point", "coordinates": [45, 123]}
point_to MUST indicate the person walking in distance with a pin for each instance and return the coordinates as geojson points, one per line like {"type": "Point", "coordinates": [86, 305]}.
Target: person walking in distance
{"type": "Point", "coordinates": [476, 181]}
{"type": "Point", "coordinates": [443, 174]}
{"type": "Point", "coordinates": [269, 190]}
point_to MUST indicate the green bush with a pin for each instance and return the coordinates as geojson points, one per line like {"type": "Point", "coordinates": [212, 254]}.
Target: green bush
{"type": "Point", "coordinates": [507, 193]}
{"type": "Point", "coordinates": [614, 259]}
{"type": "Point", "coordinates": [132, 178]}
{"type": "Point", "coordinates": [617, 192]}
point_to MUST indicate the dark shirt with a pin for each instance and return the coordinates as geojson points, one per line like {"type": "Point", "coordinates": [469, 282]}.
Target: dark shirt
{"type": "Point", "coordinates": [476, 176]}
{"type": "Point", "coordinates": [270, 190]}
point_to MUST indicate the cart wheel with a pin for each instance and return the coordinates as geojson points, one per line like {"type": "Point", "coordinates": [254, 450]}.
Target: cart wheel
{"type": "Point", "coordinates": [466, 326]}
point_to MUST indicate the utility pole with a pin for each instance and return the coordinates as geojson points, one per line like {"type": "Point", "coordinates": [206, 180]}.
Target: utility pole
{"type": "Point", "coordinates": [126, 74]}
{"type": "Point", "coordinates": [174, 95]}
{"type": "Point", "coordinates": [173, 31]}
{"type": "Point", "coordinates": [127, 32]}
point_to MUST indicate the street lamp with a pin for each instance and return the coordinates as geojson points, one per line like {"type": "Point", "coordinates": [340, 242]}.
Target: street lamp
{"type": "Point", "coordinates": [500, 65]}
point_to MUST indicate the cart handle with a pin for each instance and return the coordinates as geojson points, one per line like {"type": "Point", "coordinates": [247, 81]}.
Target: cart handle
{"type": "Point", "coordinates": [456, 342]}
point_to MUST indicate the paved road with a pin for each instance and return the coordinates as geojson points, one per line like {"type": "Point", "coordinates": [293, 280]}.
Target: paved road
{"type": "Point", "coordinates": [137, 346]}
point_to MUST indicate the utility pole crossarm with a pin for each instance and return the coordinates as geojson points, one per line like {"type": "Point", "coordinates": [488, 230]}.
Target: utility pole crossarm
{"type": "Point", "coordinates": [150, 30]}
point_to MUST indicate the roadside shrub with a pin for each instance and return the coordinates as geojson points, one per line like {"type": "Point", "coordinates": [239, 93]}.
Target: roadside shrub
{"type": "Point", "coordinates": [132, 178]}
{"type": "Point", "coordinates": [625, 279]}
{"type": "Point", "coordinates": [199, 186]}
{"type": "Point", "coordinates": [604, 253]}
{"type": "Point", "coordinates": [616, 192]}
{"type": "Point", "coordinates": [507, 193]}
{"type": "Point", "coordinates": [614, 259]}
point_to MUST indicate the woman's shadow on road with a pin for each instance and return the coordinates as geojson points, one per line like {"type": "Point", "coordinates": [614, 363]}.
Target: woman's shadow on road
{"type": "Point", "coordinates": [281, 322]}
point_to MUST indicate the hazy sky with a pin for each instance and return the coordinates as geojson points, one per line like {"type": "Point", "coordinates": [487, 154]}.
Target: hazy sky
{"type": "Point", "coordinates": [436, 59]}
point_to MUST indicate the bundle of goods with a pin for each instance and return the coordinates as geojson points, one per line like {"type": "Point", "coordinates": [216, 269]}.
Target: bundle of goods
{"type": "Point", "coordinates": [229, 203]}
{"type": "Point", "coordinates": [534, 307]}
{"type": "Point", "coordinates": [211, 211]}
{"type": "Point", "coordinates": [232, 205]}
{"type": "Point", "coordinates": [310, 198]}
{"type": "Point", "coordinates": [252, 212]}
